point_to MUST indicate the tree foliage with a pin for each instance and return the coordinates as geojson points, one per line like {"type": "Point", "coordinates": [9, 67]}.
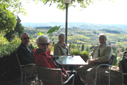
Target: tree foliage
{"type": "Point", "coordinates": [18, 30]}
{"type": "Point", "coordinates": [7, 18]}
{"type": "Point", "coordinates": [56, 28]}
{"type": "Point", "coordinates": [8, 10]}
{"type": "Point", "coordinates": [14, 6]}
{"type": "Point", "coordinates": [61, 5]}
{"type": "Point", "coordinates": [82, 48]}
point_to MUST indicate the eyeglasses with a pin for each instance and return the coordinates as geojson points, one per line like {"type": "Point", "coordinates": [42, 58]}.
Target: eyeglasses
{"type": "Point", "coordinates": [43, 44]}
{"type": "Point", "coordinates": [26, 38]}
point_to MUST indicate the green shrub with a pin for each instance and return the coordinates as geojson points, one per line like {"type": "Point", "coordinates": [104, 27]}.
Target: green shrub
{"type": "Point", "coordinates": [85, 53]}
{"type": "Point", "coordinates": [8, 48]}
{"type": "Point", "coordinates": [75, 52]}
{"type": "Point", "coordinates": [3, 40]}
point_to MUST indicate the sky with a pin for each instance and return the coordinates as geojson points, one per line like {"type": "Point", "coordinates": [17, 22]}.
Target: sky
{"type": "Point", "coordinates": [102, 12]}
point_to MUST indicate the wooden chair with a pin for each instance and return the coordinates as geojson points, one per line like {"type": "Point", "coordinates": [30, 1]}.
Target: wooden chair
{"type": "Point", "coordinates": [108, 66]}
{"type": "Point", "coordinates": [23, 71]}
{"type": "Point", "coordinates": [52, 75]}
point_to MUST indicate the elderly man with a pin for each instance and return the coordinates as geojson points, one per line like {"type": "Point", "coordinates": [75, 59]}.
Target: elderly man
{"type": "Point", "coordinates": [25, 52]}
{"type": "Point", "coordinates": [100, 54]}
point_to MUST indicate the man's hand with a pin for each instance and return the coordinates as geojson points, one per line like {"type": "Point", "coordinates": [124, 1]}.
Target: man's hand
{"type": "Point", "coordinates": [92, 62]}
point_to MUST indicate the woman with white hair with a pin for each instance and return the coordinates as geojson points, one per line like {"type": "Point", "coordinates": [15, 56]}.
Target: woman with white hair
{"type": "Point", "coordinates": [44, 60]}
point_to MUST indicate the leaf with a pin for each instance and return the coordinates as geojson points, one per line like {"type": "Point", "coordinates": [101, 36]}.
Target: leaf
{"type": "Point", "coordinates": [40, 33]}
{"type": "Point", "coordinates": [53, 29]}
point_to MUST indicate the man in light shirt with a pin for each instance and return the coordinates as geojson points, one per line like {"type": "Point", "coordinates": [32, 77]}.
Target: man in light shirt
{"type": "Point", "coordinates": [101, 54]}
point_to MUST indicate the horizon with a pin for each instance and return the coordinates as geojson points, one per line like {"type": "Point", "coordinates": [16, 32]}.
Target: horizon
{"type": "Point", "coordinates": [101, 12]}
{"type": "Point", "coordinates": [80, 25]}
{"type": "Point", "coordinates": [77, 22]}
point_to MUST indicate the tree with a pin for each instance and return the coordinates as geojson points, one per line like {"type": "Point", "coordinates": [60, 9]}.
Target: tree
{"type": "Point", "coordinates": [87, 49]}
{"type": "Point", "coordinates": [82, 48]}
{"type": "Point", "coordinates": [61, 5]}
{"type": "Point", "coordinates": [7, 19]}
{"type": "Point", "coordinates": [8, 10]}
{"type": "Point", "coordinates": [18, 30]}
{"type": "Point", "coordinates": [14, 6]}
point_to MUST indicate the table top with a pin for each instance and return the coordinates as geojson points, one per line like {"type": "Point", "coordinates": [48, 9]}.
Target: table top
{"type": "Point", "coordinates": [70, 60]}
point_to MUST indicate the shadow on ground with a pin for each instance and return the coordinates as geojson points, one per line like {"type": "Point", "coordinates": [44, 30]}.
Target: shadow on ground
{"type": "Point", "coordinates": [116, 79]}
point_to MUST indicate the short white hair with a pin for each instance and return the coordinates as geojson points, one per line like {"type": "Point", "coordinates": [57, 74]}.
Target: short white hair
{"type": "Point", "coordinates": [102, 34]}
{"type": "Point", "coordinates": [23, 34]}
{"type": "Point", "coordinates": [41, 38]}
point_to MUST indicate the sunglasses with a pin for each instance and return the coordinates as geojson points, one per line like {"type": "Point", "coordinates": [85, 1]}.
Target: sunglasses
{"type": "Point", "coordinates": [26, 38]}
{"type": "Point", "coordinates": [44, 44]}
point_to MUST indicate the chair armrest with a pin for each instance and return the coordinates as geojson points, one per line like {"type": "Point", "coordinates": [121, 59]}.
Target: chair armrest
{"type": "Point", "coordinates": [108, 65]}
{"type": "Point", "coordinates": [70, 71]}
{"type": "Point", "coordinates": [30, 64]}
{"type": "Point", "coordinates": [103, 65]}
{"type": "Point", "coordinates": [124, 73]}
{"type": "Point", "coordinates": [68, 79]}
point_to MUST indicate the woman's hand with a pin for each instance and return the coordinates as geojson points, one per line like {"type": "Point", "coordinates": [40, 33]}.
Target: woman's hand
{"type": "Point", "coordinates": [66, 75]}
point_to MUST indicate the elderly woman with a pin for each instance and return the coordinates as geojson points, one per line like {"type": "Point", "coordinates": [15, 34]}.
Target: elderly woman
{"type": "Point", "coordinates": [60, 47]}
{"type": "Point", "coordinates": [42, 59]}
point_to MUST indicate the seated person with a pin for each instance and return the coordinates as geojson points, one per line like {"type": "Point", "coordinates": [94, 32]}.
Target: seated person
{"type": "Point", "coordinates": [44, 60]}
{"type": "Point", "coordinates": [123, 66]}
{"type": "Point", "coordinates": [100, 54]}
{"type": "Point", "coordinates": [60, 47]}
{"type": "Point", "coordinates": [25, 52]}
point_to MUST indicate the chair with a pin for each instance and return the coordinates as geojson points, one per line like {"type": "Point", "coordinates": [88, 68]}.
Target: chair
{"type": "Point", "coordinates": [22, 69]}
{"type": "Point", "coordinates": [52, 75]}
{"type": "Point", "coordinates": [123, 62]}
{"type": "Point", "coordinates": [122, 73]}
{"type": "Point", "coordinates": [107, 65]}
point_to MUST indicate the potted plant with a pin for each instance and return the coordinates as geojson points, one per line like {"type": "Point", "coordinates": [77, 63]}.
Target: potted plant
{"type": "Point", "coordinates": [84, 55]}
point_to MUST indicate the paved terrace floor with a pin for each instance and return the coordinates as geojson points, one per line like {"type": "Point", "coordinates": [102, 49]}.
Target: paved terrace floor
{"type": "Point", "coordinates": [29, 81]}
{"type": "Point", "coordinates": [115, 79]}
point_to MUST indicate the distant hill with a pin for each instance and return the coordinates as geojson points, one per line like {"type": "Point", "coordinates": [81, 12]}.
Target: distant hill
{"type": "Point", "coordinates": [82, 25]}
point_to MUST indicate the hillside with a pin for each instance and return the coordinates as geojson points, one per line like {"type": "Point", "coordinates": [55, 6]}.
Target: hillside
{"type": "Point", "coordinates": [86, 37]}
{"type": "Point", "coordinates": [81, 25]}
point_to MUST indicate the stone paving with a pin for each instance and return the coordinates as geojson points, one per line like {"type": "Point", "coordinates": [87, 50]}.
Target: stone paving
{"type": "Point", "coordinates": [115, 79]}
{"type": "Point", "coordinates": [29, 81]}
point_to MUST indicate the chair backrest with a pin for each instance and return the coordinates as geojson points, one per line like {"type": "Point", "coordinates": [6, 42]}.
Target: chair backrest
{"type": "Point", "coordinates": [124, 56]}
{"type": "Point", "coordinates": [52, 75]}
{"type": "Point", "coordinates": [19, 62]}
{"type": "Point", "coordinates": [112, 59]}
